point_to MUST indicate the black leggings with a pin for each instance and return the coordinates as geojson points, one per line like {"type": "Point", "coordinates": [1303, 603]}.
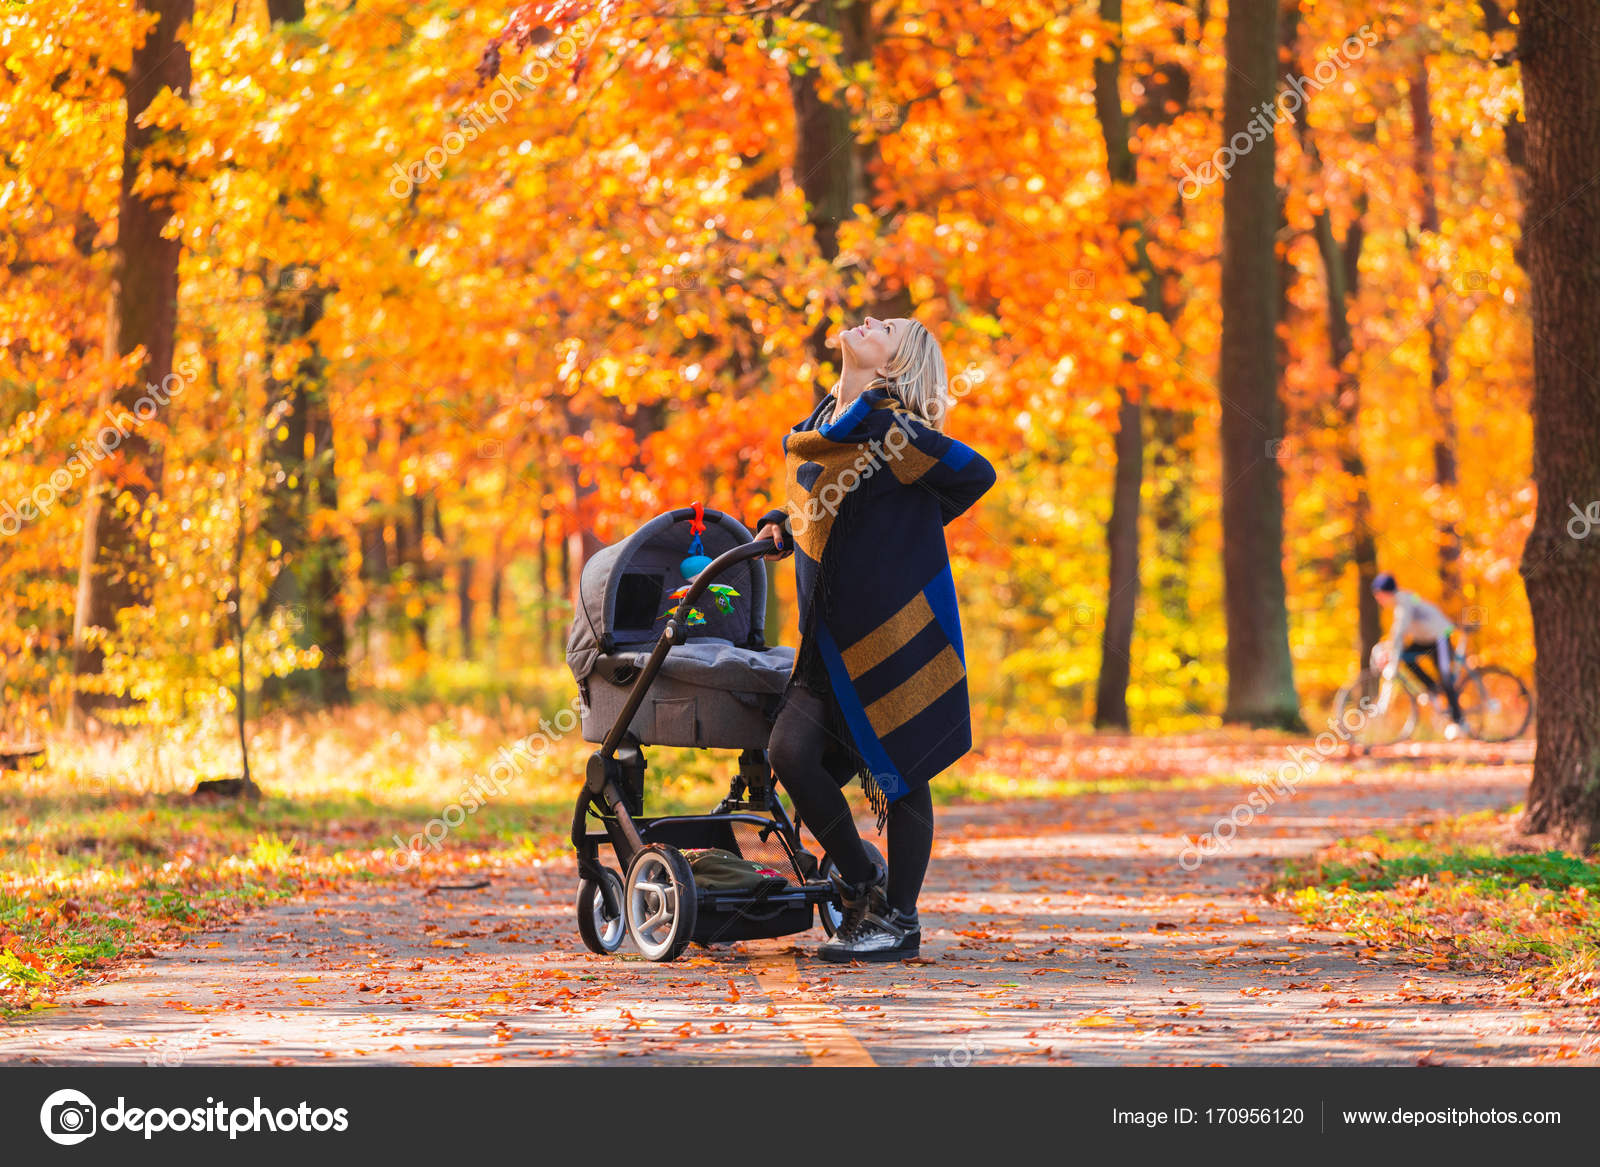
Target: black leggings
{"type": "Point", "coordinates": [814, 769]}
{"type": "Point", "coordinates": [1440, 650]}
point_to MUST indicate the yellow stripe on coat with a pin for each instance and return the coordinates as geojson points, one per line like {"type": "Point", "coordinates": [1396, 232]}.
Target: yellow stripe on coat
{"type": "Point", "coordinates": [932, 681]}
{"type": "Point", "coordinates": [889, 637]}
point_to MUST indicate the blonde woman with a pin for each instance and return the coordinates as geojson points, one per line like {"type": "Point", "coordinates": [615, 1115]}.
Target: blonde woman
{"type": "Point", "coordinates": [879, 685]}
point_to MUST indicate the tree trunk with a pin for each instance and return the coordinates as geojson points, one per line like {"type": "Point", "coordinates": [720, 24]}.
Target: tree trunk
{"type": "Point", "coordinates": [497, 581]}
{"type": "Point", "coordinates": [1171, 469]}
{"type": "Point", "coordinates": [1122, 527]}
{"type": "Point", "coordinates": [828, 163]}
{"type": "Point", "coordinates": [1341, 271]}
{"type": "Point", "coordinates": [580, 541]}
{"type": "Point", "coordinates": [1165, 89]}
{"type": "Point", "coordinates": [569, 578]}
{"type": "Point", "coordinates": [464, 608]}
{"type": "Point", "coordinates": [772, 632]}
{"type": "Point", "coordinates": [300, 484]}
{"type": "Point", "coordinates": [416, 544]}
{"type": "Point", "coordinates": [1560, 52]}
{"type": "Point", "coordinates": [1439, 394]}
{"type": "Point", "coordinates": [375, 577]}
{"type": "Point", "coordinates": [1496, 20]}
{"type": "Point", "coordinates": [547, 594]}
{"type": "Point", "coordinates": [301, 479]}
{"type": "Point", "coordinates": [1172, 429]}
{"type": "Point", "coordinates": [1261, 688]}
{"type": "Point", "coordinates": [1122, 541]}
{"type": "Point", "coordinates": [1339, 265]}
{"type": "Point", "coordinates": [142, 311]}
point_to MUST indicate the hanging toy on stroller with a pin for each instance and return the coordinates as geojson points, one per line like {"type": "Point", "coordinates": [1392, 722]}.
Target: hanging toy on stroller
{"type": "Point", "coordinates": [698, 673]}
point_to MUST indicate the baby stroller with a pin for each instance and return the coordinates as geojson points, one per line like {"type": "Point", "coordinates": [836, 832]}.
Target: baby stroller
{"type": "Point", "coordinates": [668, 650]}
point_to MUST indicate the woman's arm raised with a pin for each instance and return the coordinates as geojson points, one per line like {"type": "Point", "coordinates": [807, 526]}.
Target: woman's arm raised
{"type": "Point", "coordinates": [955, 473]}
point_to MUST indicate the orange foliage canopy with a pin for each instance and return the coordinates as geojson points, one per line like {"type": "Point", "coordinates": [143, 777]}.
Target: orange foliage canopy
{"type": "Point", "coordinates": [572, 281]}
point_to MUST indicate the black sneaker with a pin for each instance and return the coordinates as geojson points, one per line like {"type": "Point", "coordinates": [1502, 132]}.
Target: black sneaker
{"type": "Point", "coordinates": [881, 934]}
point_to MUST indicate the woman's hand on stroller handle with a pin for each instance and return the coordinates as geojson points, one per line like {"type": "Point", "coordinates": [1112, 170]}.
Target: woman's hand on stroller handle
{"type": "Point", "coordinates": [775, 533]}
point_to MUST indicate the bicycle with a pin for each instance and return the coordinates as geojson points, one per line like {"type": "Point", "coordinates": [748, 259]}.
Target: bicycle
{"type": "Point", "coordinates": [1495, 705]}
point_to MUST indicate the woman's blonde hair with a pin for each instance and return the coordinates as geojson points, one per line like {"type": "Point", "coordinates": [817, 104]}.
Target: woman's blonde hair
{"type": "Point", "coordinates": [916, 377]}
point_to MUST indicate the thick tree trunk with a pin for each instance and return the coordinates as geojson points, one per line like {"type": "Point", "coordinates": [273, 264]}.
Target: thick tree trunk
{"type": "Point", "coordinates": [1439, 393]}
{"type": "Point", "coordinates": [143, 311]}
{"type": "Point", "coordinates": [1560, 52]}
{"type": "Point", "coordinates": [1260, 671]}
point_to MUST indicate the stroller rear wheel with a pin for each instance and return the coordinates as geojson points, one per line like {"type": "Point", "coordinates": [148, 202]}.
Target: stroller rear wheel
{"type": "Point", "coordinates": [601, 933]}
{"type": "Point", "coordinates": [661, 903]}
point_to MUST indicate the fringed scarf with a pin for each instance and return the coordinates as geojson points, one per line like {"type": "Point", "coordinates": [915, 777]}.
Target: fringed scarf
{"type": "Point", "coordinates": [868, 497]}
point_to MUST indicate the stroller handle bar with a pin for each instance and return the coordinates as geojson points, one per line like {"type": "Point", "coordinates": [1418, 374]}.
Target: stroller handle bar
{"type": "Point", "coordinates": [677, 625]}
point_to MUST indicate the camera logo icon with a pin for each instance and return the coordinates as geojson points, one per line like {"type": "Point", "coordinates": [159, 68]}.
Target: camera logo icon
{"type": "Point", "coordinates": [68, 1117]}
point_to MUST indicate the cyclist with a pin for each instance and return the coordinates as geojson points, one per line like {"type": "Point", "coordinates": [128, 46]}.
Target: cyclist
{"type": "Point", "coordinates": [1419, 630]}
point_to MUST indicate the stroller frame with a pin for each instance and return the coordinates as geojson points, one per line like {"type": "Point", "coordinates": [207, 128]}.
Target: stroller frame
{"type": "Point", "coordinates": [658, 904]}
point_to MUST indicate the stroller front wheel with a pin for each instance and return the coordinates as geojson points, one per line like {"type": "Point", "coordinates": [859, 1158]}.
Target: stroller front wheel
{"type": "Point", "coordinates": [601, 933]}
{"type": "Point", "coordinates": [661, 902]}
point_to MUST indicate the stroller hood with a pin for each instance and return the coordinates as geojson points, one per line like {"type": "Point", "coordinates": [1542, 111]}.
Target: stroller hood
{"type": "Point", "coordinates": [626, 588]}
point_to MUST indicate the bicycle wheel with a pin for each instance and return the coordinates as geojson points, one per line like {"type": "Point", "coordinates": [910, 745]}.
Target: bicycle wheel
{"type": "Point", "coordinates": [1495, 705]}
{"type": "Point", "coordinates": [1374, 711]}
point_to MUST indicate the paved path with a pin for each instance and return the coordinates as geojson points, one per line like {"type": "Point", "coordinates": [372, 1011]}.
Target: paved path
{"type": "Point", "coordinates": [1060, 932]}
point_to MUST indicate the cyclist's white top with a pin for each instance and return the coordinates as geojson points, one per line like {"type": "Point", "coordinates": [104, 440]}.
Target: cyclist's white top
{"type": "Point", "coordinates": [1417, 620]}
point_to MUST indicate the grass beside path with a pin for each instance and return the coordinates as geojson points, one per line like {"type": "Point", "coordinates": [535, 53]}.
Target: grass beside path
{"type": "Point", "coordinates": [1468, 893]}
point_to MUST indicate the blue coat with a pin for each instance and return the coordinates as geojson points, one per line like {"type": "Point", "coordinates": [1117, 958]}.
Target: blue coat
{"type": "Point", "coordinates": [868, 499]}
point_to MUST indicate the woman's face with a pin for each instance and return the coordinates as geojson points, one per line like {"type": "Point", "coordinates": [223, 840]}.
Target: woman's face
{"type": "Point", "coordinates": [872, 343]}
